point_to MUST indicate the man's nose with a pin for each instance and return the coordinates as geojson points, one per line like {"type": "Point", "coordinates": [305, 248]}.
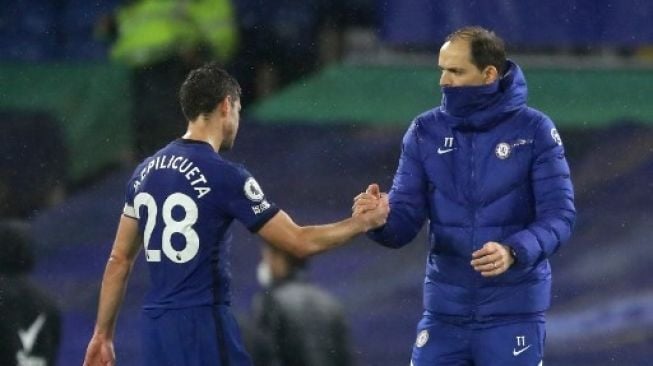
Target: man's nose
{"type": "Point", "coordinates": [445, 80]}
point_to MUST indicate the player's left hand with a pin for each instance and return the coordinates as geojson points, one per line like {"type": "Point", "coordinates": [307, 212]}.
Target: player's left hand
{"type": "Point", "coordinates": [492, 259]}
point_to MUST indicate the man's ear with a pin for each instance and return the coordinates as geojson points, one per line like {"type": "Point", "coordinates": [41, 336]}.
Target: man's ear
{"type": "Point", "coordinates": [490, 74]}
{"type": "Point", "coordinates": [225, 105]}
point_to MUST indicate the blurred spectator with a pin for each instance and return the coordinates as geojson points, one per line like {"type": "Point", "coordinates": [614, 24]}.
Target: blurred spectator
{"type": "Point", "coordinates": [257, 343]}
{"type": "Point", "coordinates": [304, 325]}
{"type": "Point", "coordinates": [162, 40]}
{"type": "Point", "coordinates": [30, 324]}
{"type": "Point", "coordinates": [152, 31]}
{"type": "Point", "coordinates": [34, 163]}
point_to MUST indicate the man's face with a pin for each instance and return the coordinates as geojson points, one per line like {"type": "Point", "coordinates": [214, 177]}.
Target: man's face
{"type": "Point", "coordinates": [457, 67]}
{"type": "Point", "coordinates": [276, 262]}
{"type": "Point", "coordinates": [230, 128]}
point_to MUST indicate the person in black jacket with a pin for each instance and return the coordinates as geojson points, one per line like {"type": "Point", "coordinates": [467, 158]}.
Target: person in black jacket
{"type": "Point", "coordinates": [30, 324]}
{"type": "Point", "coordinates": [304, 325]}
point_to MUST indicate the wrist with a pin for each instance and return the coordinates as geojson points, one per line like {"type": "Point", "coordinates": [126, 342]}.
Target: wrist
{"type": "Point", "coordinates": [511, 253]}
{"type": "Point", "coordinates": [361, 226]}
{"type": "Point", "coordinates": [102, 334]}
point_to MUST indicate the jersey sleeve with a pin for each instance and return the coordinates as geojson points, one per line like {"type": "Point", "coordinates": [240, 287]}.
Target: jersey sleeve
{"type": "Point", "coordinates": [246, 201]}
{"type": "Point", "coordinates": [130, 192]}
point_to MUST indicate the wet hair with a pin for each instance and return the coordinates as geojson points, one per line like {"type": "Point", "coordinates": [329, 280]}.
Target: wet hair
{"type": "Point", "coordinates": [17, 256]}
{"type": "Point", "coordinates": [486, 47]}
{"type": "Point", "coordinates": [204, 88]}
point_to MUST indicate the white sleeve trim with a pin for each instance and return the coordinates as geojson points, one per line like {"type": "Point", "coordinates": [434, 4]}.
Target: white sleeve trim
{"type": "Point", "coordinates": [129, 211]}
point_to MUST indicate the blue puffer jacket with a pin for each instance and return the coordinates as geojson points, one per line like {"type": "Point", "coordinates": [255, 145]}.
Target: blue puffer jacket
{"type": "Point", "coordinates": [483, 167]}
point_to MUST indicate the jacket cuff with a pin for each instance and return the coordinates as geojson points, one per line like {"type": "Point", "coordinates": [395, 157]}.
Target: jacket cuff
{"type": "Point", "coordinates": [520, 242]}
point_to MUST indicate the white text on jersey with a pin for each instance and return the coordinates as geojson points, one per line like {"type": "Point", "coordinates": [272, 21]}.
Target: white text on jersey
{"type": "Point", "coordinates": [181, 164]}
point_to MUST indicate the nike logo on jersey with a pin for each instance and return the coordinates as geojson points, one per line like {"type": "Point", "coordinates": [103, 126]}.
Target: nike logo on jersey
{"type": "Point", "coordinates": [516, 352]}
{"type": "Point", "coordinates": [28, 336]}
{"type": "Point", "coordinates": [444, 151]}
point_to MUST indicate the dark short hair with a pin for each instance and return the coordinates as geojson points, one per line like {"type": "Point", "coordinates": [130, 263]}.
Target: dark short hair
{"type": "Point", "coordinates": [294, 263]}
{"type": "Point", "coordinates": [17, 255]}
{"type": "Point", "coordinates": [486, 47]}
{"type": "Point", "coordinates": [204, 88]}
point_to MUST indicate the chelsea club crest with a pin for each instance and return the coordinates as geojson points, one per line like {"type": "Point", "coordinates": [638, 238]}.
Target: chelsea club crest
{"type": "Point", "coordinates": [502, 150]}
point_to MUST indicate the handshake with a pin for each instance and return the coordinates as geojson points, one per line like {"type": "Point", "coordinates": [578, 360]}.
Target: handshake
{"type": "Point", "coordinates": [371, 208]}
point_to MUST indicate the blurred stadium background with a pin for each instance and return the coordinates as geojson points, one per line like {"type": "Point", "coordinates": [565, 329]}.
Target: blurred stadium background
{"type": "Point", "coordinates": [330, 88]}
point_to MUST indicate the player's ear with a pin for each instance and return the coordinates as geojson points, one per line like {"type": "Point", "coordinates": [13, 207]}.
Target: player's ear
{"type": "Point", "coordinates": [225, 105]}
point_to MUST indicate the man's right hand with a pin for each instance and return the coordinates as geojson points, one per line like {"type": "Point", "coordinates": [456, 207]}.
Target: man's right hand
{"type": "Point", "coordinates": [367, 200]}
{"type": "Point", "coordinates": [372, 207]}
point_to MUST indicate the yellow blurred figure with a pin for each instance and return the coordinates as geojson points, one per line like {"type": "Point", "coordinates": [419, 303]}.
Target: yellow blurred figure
{"type": "Point", "coordinates": [150, 31]}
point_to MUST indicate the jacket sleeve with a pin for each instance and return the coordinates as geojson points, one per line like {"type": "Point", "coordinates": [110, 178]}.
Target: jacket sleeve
{"type": "Point", "coordinates": [408, 197]}
{"type": "Point", "coordinates": [554, 200]}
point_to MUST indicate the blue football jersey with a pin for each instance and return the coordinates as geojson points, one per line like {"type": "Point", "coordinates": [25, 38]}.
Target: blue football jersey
{"type": "Point", "coordinates": [185, 198]}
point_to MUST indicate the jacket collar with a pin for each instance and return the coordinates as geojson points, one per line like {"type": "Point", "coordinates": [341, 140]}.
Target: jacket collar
{"type": "Point", "coordinates": [481, 107]}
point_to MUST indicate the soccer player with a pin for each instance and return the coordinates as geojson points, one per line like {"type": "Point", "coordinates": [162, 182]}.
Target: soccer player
{"type": "Point", "coordinates": [490, 175]}
{"type": "Point", "coordinates": [179, 206]}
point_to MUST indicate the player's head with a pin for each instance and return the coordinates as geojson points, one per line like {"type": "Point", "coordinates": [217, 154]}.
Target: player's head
{"type": "Point", "coordinates": [207, 90]}
{"type": "Point", "coordinates": [17, 257]}
{"type": "Point", "coordinates": [277, 265]}
{"type": "Point", "coordinates": [471, 56]}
